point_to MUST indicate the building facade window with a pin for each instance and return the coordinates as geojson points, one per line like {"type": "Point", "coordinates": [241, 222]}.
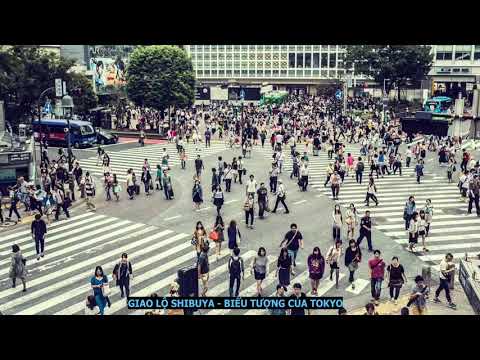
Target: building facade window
{"type": "Point", "coordinates": [300, 63]}
{"type": "Point", "coordinates": [324, 60]}
{"type": "Point", "coordinates": [308, 60]}
{"type": "Point", "coordinates": [463, 52]}
{"type": "Point", "coordinates": [316, 60]}
{"type": "Point", "coordinates": [476, 54]}
{"type": "Point", "coordinates": [291, 60]}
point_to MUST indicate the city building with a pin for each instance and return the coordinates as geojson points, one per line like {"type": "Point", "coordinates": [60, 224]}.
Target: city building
{"type": "Point", "coordinates": [285, 67]}
{"type": "Point", "coordinates": [456, 69]}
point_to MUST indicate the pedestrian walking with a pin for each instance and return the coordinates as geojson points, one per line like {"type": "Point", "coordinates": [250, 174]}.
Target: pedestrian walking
{"type": "Point", "coordinates": [59, 197]}
{"type": "Point", "coordinates": [418, 297]}
{"type": "Point", "coordinates": [353, 256]}
{"type": "Point", "coordinates": [203, 269]}
{"type": "Point", "coordinates": [413, 232]}
{"type": "Point", "coordinates": [18, 267]}
{"type": "Point", "coordinates": [236, 272]}
{"type": "Point", "coordinates": [147, 180]}
{"type": "Point", "coordinates": [447, 267]}
{"type": "Point", "coordinates": [395, 279]}
{"type": "Point", "coordinates": [122, 273]}
{"type": "Point", "coordinates": [197, 195]}
{"type": "Point", "coordinates": [304, 171]}
{"type": "Point", "coordinates": [251, 186]}
{"type": "Point", "coordinates": [316, 268]}
{"type": "Point", "coordinates": [370, 309]}
{"type": "Point", "coordinates": [234, 236]}
{"type": "Point", "coordinates": [293, 241]}
{"type": "Point", "coordinates": [359, 168]}
{"type": "Point", "coordinates": [298, 294]}
{"type": "Point", "coordinates": [335, 181]}
{"type": "Point", "coordinates": [273, 178]}
{"type": "Point", "coordinates": [199, 238]}
{"type": "Point", "coordinates": [218, 198]}
{"type": "Point", "coordinates": [217, 234]}
{"type": "Point", "coordinates": [281, 196]}
{"type": "Point", "coordinates": [14, 199]}
{"type": "Point", "coordinates": [262, 199]}
{"type": "Point", "coordinates": [422, 228]}
{"type": "Point", "coordinates": [167, 185]}
{"type": "Point", "coordinates": [248, 207]}
{"type": "Point", "coordinates": [377, 274]}
{"type": "Point", "coordinates": [333, 256]}
{"type": "Point", "coordinates": [279, 293]}
{"type": "Point", "coordinates": [241, 170]}
{"type": "Point", "coordinates": [408, 211]}
{"type": "Point", "coordinates": [337, 222]}
{"type": "Point", "coordinates": [428, 215]}
{"type": "Point", "coordinates": [228, 178]}
{"type": "Point", "coordinates": [130, 184]}
{"type": "Point", "coordinates": [474, 194]}
{"type": "Point", "coordinates": [371, 192]}
{"type": "Point", "coordinates": [419, 170]}
{"type": "Point", "coordinates": [259, 267]}
{"type": "Point", "coordinates": [284, 267]}
{"type": "Point", "coordinates": [99, 283]}
{"type": "Point", "coordinates": [39, 230]}
{"type": "Point", "coordinates": [117, 189]}
{"type": "Point", "coordinates": [89, 192]}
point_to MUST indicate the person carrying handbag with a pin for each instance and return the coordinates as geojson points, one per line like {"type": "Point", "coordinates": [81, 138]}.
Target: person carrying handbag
{"type": "Point", "coordinates": [101, 289]}
{"type": "Point", "coordinates": [333, 256]}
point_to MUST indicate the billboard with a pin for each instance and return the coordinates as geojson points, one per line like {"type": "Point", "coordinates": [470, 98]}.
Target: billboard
{"type": "Point", "coordinates": [202, 93]}
{"type": "Point", "coordinates": [249, 93]}
{"type": "Point", "coordinates": [108, 64]}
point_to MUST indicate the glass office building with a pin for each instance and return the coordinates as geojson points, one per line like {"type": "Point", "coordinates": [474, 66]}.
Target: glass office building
{"type": "Point", "coordinates": [284, 66]}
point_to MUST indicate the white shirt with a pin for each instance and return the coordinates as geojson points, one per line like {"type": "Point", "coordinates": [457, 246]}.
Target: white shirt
{"type": "Point", "coordinates": [251, 186]}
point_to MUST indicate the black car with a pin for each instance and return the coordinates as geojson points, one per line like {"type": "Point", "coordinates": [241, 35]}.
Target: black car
{"type": "Point", "coordinates": [105, 137]}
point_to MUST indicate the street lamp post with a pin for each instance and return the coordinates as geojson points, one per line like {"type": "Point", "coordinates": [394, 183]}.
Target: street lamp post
{"type": "Point", "coordinates": [40, 120]}
{"type": "Point", "coordinates": [384, 95]}
{"type": "Point", "coordinates": [67, 103]}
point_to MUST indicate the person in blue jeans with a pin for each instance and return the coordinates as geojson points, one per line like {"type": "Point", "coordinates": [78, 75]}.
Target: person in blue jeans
{"type": "Point", "coordinates": [409, 209]}
{"type": "Point", "coordinates": [377, 274]}
{"type": "Point", "coordinates": [98, 281]}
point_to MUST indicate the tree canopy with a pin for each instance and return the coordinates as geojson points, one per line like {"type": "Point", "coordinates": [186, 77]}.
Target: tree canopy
{"type": "Point", "coordinates": [26, 71]}
{"type": "Point", "coordinates": [160, 76]}
{"type": "Point", "coordinates": [400, 64]}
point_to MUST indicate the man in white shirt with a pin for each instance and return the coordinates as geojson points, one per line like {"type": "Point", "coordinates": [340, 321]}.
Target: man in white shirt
{"type": "Point", "coordinates": [408, 156]}
{"type": "Point", "coordinates": [251, 186]}
{"type": "Point", "coordinates": [447, 267]}
{"type": "Point", "coordinates": [280, 157]}
{"type": "Point", "coordinates": [281, 195]}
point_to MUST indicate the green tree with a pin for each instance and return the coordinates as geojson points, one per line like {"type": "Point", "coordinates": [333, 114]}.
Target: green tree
{"type": "Point", "coordinates": [81, 90]}
{"type": "Point", "coordinates": [160, 76]}
{"type": "Point", "coordinates": [26, 71]}
{"type": "Point", "coordinates": [401, 64]}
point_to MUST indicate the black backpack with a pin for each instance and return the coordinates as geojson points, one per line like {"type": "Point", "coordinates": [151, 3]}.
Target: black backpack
{"type": "Point", "coordinates": [235, 266]}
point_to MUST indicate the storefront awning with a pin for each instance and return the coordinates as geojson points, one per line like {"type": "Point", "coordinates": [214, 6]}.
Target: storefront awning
{"type": "Point", "coordinates": [454, 78]}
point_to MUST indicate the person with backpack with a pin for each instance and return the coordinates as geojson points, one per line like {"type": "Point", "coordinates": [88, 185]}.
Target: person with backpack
{"type": "Point", "coordinates": [39, 229]}
{"type": "Point", "coordinates": [122, 273]}
{"type": "Point", "coordinates": [292, 241]}
{"type": "Point", "coordinates": [316, 268]}
{"type": "Point", "coordinates": [236, 271]}
{"type": "Point", "coordinates": [18, 267]}
{"type": "Point", "coordinates": [59, 197]}
{"type": "Point", "coordinates": [353, 256]}
{"type": "Point", "coordinates": [14, 199]}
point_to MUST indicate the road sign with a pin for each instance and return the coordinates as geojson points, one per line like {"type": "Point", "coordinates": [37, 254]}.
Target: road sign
{"type": "Point", "coordinates": [58, 88]}
{"type": "Point", "coordinates": [64, 88]}
{"type": "Point", "coordinates": [338, 94]}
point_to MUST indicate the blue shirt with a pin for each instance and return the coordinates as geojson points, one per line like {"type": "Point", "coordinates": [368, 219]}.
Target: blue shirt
{"type": "Point", "coordinates": [95, 281]}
